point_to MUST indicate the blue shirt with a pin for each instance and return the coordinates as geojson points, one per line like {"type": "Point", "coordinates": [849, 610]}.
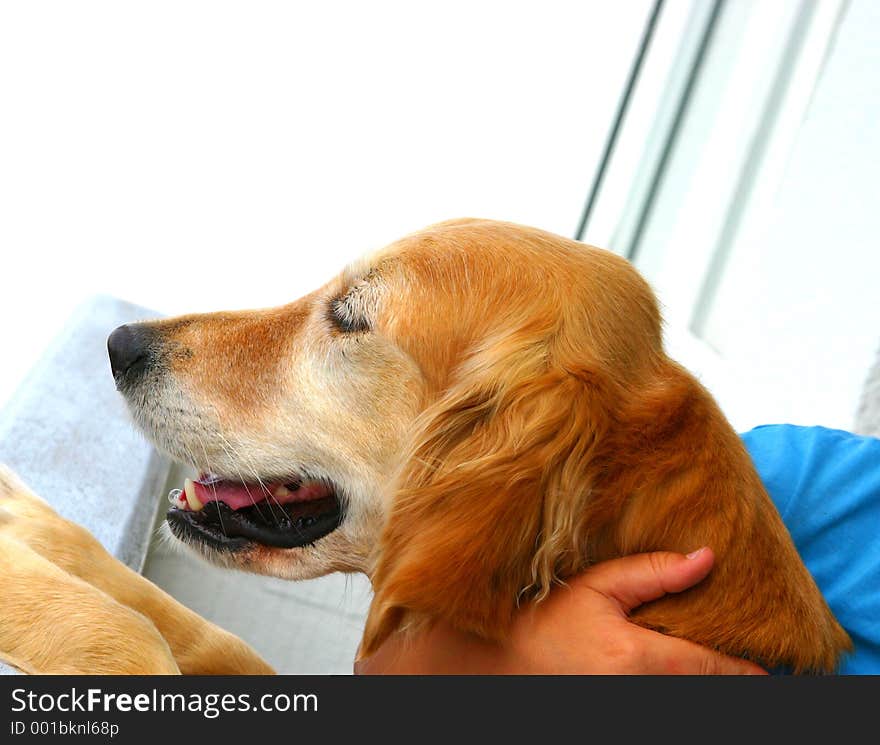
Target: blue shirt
{"type": "Point", "coordinates": [826, 485]}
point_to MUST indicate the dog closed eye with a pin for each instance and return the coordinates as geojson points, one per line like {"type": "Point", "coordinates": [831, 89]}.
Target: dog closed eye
{"type": "Point", "coordinates": [345, 317]}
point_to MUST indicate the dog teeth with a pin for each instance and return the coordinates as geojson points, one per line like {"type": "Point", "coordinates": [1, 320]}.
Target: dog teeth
{"type": "Point", "coordinates": [280, 491]}
{"type": "Point", "coordinates": [175, 497]}
{"type": "Point", "coordinates": [189, 489]}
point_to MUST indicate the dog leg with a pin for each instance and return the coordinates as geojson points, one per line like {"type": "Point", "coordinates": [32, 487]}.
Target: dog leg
{"type": "Point", "coordinates": [198, 646]}
{"type": "Point", "coordinates": [54, 623]}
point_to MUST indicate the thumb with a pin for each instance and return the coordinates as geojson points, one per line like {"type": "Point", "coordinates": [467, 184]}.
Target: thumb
{"type": "Point", "coordinates": [640, 578]}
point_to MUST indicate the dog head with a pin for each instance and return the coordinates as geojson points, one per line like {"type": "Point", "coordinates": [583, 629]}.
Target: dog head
{"type": "Point", "coordinates": [440, 361]}
{"type": "Point", "coordinates": [468, 415]}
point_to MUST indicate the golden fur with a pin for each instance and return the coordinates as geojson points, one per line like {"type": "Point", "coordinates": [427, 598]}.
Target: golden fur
{"type": "Point", "coordinates": [69, 607]}
{"type": "Point", "coordinates": [502, 416]}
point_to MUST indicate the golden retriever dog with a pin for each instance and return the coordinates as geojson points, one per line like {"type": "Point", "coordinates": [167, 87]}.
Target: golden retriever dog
{"type": "Point", "coordinates": [470, 416]}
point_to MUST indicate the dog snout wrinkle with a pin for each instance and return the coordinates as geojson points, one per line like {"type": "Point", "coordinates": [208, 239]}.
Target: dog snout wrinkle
{"type": "Point", "coordinates": [129, 349]}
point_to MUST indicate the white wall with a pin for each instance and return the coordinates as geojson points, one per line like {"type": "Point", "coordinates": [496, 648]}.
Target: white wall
{"type": "Point", "coordinates": [195, 156]}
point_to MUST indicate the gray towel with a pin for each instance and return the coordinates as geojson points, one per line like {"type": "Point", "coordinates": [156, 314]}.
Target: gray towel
{"type": "Point", "coordinates": [66, 433]}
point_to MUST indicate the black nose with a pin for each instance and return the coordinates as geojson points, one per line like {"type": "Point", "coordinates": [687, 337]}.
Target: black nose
{"type": "Point", "coordinates": [129, 350]}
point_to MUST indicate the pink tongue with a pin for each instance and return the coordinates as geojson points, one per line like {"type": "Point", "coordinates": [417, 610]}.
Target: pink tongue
{"type": "Point", "coordinates": [237, 495]}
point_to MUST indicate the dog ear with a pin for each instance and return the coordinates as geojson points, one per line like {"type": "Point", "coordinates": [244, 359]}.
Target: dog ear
{"type": "Point", "coordinates": [526, 472]}
{"type": "Point", "coordinates": [491, 500]}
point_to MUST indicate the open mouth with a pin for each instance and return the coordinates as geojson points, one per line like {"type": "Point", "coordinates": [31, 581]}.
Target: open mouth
{"type": "Point", "coordinates": [230, 515]}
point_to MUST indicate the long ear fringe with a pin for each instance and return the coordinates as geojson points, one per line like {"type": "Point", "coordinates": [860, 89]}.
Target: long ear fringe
{"type": "Point", "coordinates": [490, 502]}
{"type": "Point", "coordinates": [512, 484]}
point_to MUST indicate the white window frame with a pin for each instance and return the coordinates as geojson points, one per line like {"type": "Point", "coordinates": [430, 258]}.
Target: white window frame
{"type": "Point", "coordinates": [724, 85]}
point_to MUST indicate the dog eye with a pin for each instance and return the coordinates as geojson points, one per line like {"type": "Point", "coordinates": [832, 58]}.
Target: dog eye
{"type": "Point", "coordinates": [342, 317]}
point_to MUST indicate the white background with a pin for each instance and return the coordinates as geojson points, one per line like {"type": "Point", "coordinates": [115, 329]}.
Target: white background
{"type": "Point", "coordinates": [195, 156]}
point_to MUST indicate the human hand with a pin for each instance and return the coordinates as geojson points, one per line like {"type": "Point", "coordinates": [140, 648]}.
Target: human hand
{"type": "Point", "coordinates": [582, 627]}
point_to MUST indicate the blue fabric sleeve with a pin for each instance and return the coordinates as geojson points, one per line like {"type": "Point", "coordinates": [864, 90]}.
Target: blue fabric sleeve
{"type": "Point", "coordinates": [826, 485]}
